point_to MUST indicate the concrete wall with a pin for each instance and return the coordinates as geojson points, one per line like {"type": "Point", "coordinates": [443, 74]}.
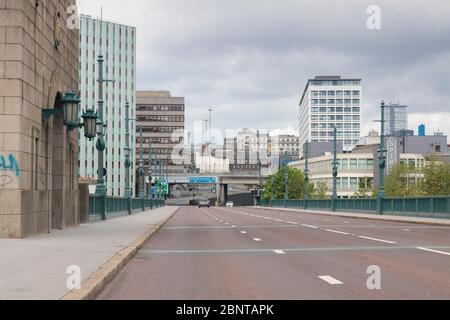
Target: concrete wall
{"type": "Point", "coordinates": [38, 161]}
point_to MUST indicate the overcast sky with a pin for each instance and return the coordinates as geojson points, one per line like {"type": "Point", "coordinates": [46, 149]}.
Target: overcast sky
{"type": "Point", "coordinates": [250, 59]}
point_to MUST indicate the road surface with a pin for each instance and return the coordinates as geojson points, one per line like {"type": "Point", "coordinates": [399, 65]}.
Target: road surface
{"type": "Point", "coordinates": [247, 253]}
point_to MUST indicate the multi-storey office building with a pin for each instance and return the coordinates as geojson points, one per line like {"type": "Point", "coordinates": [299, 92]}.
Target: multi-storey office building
{"type": "Point", "coordinates": [396, 117]}
{"type": "Point", "coordinates": [355, 171]}
{"type": "Point", "coordinates": [328, 102]}
{"type": "Point", "coordinates": [117, 44]}
{"type": "Point", "coordinates": [162, 118]}
{"type": "Point", "coordinates": [284, 145]}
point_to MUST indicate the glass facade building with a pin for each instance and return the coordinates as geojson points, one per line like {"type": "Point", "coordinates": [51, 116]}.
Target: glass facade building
{"type": "Point", "coordinates": [396, 117]}
{"type": "Point", "coordinates": [328, 102]}
{"type": "Point", "coordinates": [117, 43]}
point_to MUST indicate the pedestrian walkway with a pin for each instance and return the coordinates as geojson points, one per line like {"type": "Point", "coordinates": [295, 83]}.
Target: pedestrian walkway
{"type": "Point", "coordinates": [431, 221]}
{"type": "Point", "coordinates": [36, 268]}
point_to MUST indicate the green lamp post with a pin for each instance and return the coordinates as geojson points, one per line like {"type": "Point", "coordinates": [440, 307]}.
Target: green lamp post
{"type": "Point", "coordinates": [382, 152]}
{"type": "Point", "coordinates": [128, 192]}
{"type": "Point", "coordinates": [335, 171]}
{"type": "Point", "coordinates": [286, 185]}
{"type": "Point", "coordinates": [100, 190]}
{"type": "Point", "coordinates": [306, 155]}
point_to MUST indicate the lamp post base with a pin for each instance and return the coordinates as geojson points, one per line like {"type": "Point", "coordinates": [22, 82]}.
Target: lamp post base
{"type": "Point", "coordinates": [100, 191]}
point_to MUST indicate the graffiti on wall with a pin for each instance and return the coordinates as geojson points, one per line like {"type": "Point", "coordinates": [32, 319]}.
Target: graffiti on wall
{"type": "Point", "coordinates": [9, 170]}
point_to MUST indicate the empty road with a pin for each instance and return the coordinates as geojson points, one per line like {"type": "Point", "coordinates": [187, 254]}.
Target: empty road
{"type": "Point", "coordinates": [247, 253]}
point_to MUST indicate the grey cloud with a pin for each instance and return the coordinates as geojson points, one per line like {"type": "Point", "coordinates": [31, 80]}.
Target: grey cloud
{"type": "Point", "coordinates": [250, 59]}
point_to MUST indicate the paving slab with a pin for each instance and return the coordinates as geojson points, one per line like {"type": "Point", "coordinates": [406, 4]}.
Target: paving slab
{"type": "Point", "coordinates": [36, 268]}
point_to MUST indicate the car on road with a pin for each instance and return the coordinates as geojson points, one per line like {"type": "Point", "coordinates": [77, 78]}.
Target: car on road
{"type": "Point", "coordinates": [204, 203]}
{"type": "Point", "coordinates": [193, 202]}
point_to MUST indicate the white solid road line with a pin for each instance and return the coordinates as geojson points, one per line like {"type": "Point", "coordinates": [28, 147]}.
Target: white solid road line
{"type": "Point", "coordinates": [257, 240]}
{"type": "Point", "coordinates": [330, 280]}
{"type": "Point", "coordinates": [434, 251]}
{"type": "Point", "coordinates": [308, 226]}
{"type": "Point", "coordinates": [279, 251]}
{"type": "Point", "coordinates": [379, 240]}
{"type": "Point", "coordinates": [340, 232]}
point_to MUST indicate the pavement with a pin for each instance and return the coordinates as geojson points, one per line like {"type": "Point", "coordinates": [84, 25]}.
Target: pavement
{"type": "Point", "coordinates": [256, 254]}
{"type": "Point", "coordinates": [35, 268]}
{"type": "Point", "coordinates": [385, 217]}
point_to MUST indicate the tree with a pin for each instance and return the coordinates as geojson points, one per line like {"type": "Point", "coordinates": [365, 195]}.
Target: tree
{"type": "Point", "coordinates": [403, 181]}
{"type": "Point", "coordinates": [433, 179]}
{"type": "Point", "coordinates": [436, 179]}
{"type": "Point", "coordinates": [366, 189]}
{"type": "Point", "coordinates": [320, 191]}
{"type": "Point", "coordinates": [296, 182]}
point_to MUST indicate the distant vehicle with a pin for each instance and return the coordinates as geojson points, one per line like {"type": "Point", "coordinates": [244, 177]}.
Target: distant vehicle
{"type": "Point", "coordinates": [193, 202]}
{"type": "Point", "coordinates": [204, 203]}
{"type": "Point", "coordinates": [230, 204]}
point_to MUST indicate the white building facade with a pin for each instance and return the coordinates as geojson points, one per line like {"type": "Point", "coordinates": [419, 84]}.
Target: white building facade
{"type": "Point", "coordinates": [328, 102]}
{"type": "Point", "coordinates": [117, 43]}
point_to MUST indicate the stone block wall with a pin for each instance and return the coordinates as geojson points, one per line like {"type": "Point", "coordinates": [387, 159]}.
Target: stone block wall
{"type": "Point", "coordinates": [38, 159]}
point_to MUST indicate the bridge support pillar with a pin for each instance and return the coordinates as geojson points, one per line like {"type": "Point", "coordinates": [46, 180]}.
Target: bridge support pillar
{"type": "Point", "coordinates": [223, 193]}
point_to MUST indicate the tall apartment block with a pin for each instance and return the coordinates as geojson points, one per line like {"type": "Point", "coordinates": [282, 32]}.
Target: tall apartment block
{"type": "Point", "coordinates": [117, 43]}
{"type": "Point", "coordinates": [162, 118]}
{"type": "Point", "coordinates": [328, 102]}
{"type": "Point", "coordinates": [396, 117]}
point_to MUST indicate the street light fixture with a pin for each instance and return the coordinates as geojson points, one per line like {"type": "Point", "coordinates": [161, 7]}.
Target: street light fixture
{"type": "Point", "coordinates": [90, 122]}
{"type": "Point", "coordinates": [70, 112]}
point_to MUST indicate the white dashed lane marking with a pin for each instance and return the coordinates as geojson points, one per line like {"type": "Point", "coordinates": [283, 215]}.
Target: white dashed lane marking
{"type": "Point", "coordinates": [330, 280]}
{"type": "Point", "coordinates": [279, 251]}
{"type": "Point", "coordinates": [375, 239]}
{"type": "Point", "coordinates": [257, 240]}
{"type": "Point", "coordinates": [434, 251]}
{"type": "Point", "coordinates": [339, 232]}
{"type": "Point", "coordinates": [244, 232]}
{"type": "Point", "coordinates": [309, 226]}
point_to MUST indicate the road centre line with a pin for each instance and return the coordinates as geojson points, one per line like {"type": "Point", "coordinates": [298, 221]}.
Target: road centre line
{"type": "Point", "coordinates": [339, 232]}
{"type": "Point", "coordinates": [309, 226]}
{"type": "Point", "coordinates": [330, 280]}
{"type": "Point", "coordinates": [434, 251]}
{"type": "Point", "coordinates": [375, 239]}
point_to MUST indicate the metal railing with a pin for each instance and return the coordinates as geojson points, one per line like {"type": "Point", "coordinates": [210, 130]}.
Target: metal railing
{"type": "Point", "coordinates": [115, 205]}
{"type": "Point", "coordinates": [426, 207]}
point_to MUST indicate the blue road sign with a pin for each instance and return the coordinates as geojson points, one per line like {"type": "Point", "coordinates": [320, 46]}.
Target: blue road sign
{"type": "Point", "coordinates": [202, 180]}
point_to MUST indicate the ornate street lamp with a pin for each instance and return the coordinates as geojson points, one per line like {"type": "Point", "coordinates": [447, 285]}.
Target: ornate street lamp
{"type": "Point", "coordinates": [90, 122]}
{"type": "Point", "coordinates": [382, 152]}
{"type": "Point", "coordinates": [335, 170]}
{"type": "Point", "coordinates": [70, 103]}
{"type": "Point", "coordinates": [286, 185]}
{"type": "Point", "coordinates": [306, 156]}
{"type": "Point", "coordinates": [70, 112]}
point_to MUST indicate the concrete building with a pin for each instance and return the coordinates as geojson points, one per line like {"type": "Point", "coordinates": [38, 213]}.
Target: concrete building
{"type": "Point", "coordinates": [245, 150]}
{"type": "Point", "coordinates": [117, 43]}
{"type": "Point", "coordinates": [328, 102]}
{"type": "Point", "coordinates": [163, 120]}
{"type": "Point", "coordinates": [38, 65]}
{"type": "Point", "coordinates": [285, 145]}
{"type": "Point", "coordinates": [396, 116]}
{"type": "Point", "coordinates": [354, 171]}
